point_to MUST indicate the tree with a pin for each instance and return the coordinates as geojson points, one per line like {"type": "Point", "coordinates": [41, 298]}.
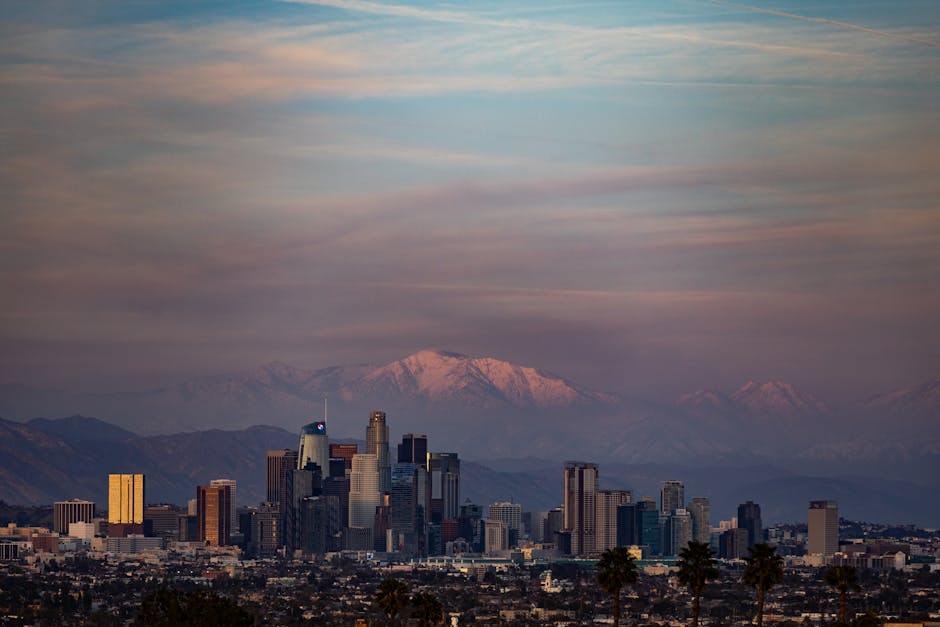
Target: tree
{"type": "Point", "coordinates": [696, 568]}
{"type": "Point", "coordinates": [392, 597]}
{"type": "Point", "coordinates": [764, 570]}
{"type": "Point", "coordinates": [615, 570]}
{"type": "Point", "coordinates": [175, 607]}
{"type": "Point", "coordinates": [844, 579]}
{"type": "Point", "coordinates": [427, 609]}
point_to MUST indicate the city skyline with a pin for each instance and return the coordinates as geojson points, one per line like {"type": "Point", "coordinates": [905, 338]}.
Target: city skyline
{"type": "Point", "coordinates": [645, 200]}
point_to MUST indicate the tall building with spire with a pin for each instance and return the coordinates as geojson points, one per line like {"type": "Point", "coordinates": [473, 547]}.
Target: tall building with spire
{"type": "Point", "coordinates": [581, 506]}
{"type": "Point", "coordinates": [314, 447]}
{"type": "Point", "coordinates": [377, 444]}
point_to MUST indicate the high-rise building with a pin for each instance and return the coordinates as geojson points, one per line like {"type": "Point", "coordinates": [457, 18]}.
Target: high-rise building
{"type": "Point", "coordinates": [233, 505]}
{"type": "Point", "coordinates": [581, 506]}
{"type": "Point", "coordinates": [162, 520]}
{"type": "Point", "coordinates": [700, 511]}
{"type": "Point", "coordinates": [672, 497]}
{"type": "Point", "coordinates": [444, 471]}
{"type": "Point", "coordinates": [364, 497]}
{"type": "Point", "coordinates": [377, 444]}
{"type": "Point", "coordinates": [314, 447]}
{"type": "Point", "coordinates": [67, 512]}
{"type": "Point", "coordinates": [266, 530]}
{"type": "Point", "coordinates": [732, 544]}
{"type": "Point", "coordinates": [213, 513]}
{"type": "Point", "coordinates": [607, 503]}
{"type": "Point", "coordinates": [413, 449]}
{"type": "Point", "coordinates": [407, 513]}
{"type": "Point", "coordinates": [627, 534]}
{"type": "Point", "coordinates": [126, 496]}
{"type": "Point", "coordinates": [648, 526]}
{"type": "Point", "coordinates": [677, 531]}
{"type": "Point", "coordinates": [279, 462]}
{"type": "Point", "coordinates": [554, 523]}
{"type": "Point", "coordinates": [496, 537]}
{"type": "Point", "coordinates": [823, 527]}
{"type": "Point", "coordinates": [344, 452]}
{"type": "Point", "coordinates": [749, 519]}
{"type": "Point", "coordinates": [509, 513]}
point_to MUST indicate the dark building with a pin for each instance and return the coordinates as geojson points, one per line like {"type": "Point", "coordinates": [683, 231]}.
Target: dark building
{"type": "Point", "coordinates": [627, 525]}
{"type": "Point", "coordinates": [67, 512]}
{"type": "Point", "coordinates": [266, 530]}
{"type": "Point", "coordinates": [470, 525]}
{"type": "Point", "coordinates": [163, 520]}
{"type": "Point", "coordinates": [749, 520]}
{"type": "Point", "coordinates": [279, 463]}
{"type": "Point", "coordinates": [648, 526]}
{"type": "Point", "coordinates": [554, 522]}
{"type": "Point", "coordinates": [444, 471]}
{"type": "Point", "coordinates": [188, 528]}
{"type": "Point", "coordinates": [413, 449]}
{"type": "Point", "coordinates": [732, 544]}
{"type": "Point", "coordinates": [344, 452]}
{"type": "Point", "coordinates": [300, 485]}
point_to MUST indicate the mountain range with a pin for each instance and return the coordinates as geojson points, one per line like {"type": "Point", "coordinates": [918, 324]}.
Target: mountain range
{"type": "Point", "coordinates": [486, 408]}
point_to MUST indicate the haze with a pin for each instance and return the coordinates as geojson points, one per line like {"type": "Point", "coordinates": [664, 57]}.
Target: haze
{"type": "Point", "coordinates": [645, 197]}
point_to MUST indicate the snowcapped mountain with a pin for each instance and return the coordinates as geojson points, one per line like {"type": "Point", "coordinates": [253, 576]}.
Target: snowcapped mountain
{"type": "Point", "coordinates": [777, 398]}
{"type": "Point", "coordinates": [706, 400]}
{"type": "Point", "coordinates": [443, 377]}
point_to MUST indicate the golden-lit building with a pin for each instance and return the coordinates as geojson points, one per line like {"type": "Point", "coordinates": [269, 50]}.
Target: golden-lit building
{"type": "Point", "coordinates": [213, 511]}
{"type": "Point", "coordinates": [126, 499]}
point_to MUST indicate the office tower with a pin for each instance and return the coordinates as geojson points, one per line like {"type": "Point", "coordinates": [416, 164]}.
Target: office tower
{"type": "Point", "coordinates": [382, 528]}
{"type": "Point", "coordinates": [607, 503]}
{"type": "Point", "coordinates": [580, 506]}
{"type": "Point", "coordinates": [700, 510]}
{"type": "Point", "coordinates": [444, 471]}
{"type": "Point", "coordinates": [67, 512]}
{"type": "Point", "coordinates": [471, 526]}
{"type": "Point", "coordinates": [162, 520]}
{"type": "Point", "coordinates": [823, 526]}
{"type": "Point", "coordinates": [732, 544]}
{"type": "Point", "coordinates": [413, 449]}
{"type": "Point", "coordinates": [677, 531]}
{"type": "Point", "coordinates": [407, 512]}
{"type": "Point", "coordinates": [749, 519]}
{"type": "Point", "coordinates": [554, 522]}
{"type": "Point", "coordinates": [344, 452]}
{"type": "Point", "coordinates": [314, 447]}
{"type": "Point", "coordinates": [377, 444]}
{"type": "Point", "coordinates": [213, 513]}
{"type": "Point", "coordinates": [266, 530]}
{"type": "Point", "coordinates": [279, 462]}
{"type": "Point", "coordinates": [648, 526]}
{"type": "Point", "coordinates": [496, 537]}
{"type": "Point", "coordinates": [233, 524]}
{"type": "Point", "coordinates": [672, 497]}
{"type": "Point", "coordinates": [364, 497]}
{"type": "Point", "coordinates": [126, 495]}
{"type": "Point", "coordinates": [316, 525]}
{"type": "Point", "coordinates": [627, 534]}
{"type": "Point", "coordinates": [509, 513]}
{"type": "Point", "coordinates": [301, 483]}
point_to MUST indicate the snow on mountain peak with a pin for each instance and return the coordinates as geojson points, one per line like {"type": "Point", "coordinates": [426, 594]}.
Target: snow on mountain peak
{"type": "Point", "coordinates": [777, 397]}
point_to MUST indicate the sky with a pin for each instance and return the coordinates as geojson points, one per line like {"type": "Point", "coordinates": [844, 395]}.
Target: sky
{"type": "Point", "coordinates": [646, 197]}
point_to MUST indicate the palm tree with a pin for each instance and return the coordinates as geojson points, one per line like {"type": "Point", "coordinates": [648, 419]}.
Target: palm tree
{"type": "Point", "coordinates": [615, 570]}
{"type": "Point", "coordinates": [764, 570]}
{"type": "Point", "coordinates": [427, 609]}
{"type": "Point", "coordinates": [391, 597]}
{"type": "Point", "coordinates": [843, 579]}
{"type": "Point", "coordinates": [696, 568]}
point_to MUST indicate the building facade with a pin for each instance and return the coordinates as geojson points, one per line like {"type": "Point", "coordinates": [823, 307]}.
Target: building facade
{"type": "Point", "coordinates": [67, 512]}
{"type": "Point", "coordinates": [377, 444]}
{"type": "Point", "coordinates": [213, 514]}
{"type": "Point", "coordinates": [607, 503]}
{"type": "Point", "coordinates": [823, 527]}
{"type": "Point", "coordinates": [581, 506]}
{"type": "Point", "coordinates": [314, 447]}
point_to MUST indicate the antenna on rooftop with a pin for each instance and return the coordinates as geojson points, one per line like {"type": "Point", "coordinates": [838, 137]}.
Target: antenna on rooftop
{"type": "Point", "coordinates": [324, 408]}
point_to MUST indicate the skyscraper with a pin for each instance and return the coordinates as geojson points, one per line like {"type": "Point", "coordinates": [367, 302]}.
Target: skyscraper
{"type": "Point", "coordinates": [580, 506]}
{"type": "Point", "coordinates": [413, 449]}
{"type": "Point", "coordinates": [677, 531]}
{"type": "Point", "coordinates": [510, 514]}
{"type": "Point", "coordinates": [700, 511]}
{"type": "Point", "coordinates": [279, 462]}
{"type": "Point", "coordinates": [648, 526]}
{"type": "Point", "coordinates": [125, 504]}
{"type": "Point", "coordinates": [364, 497]}
{"type": "Point", "coordinates": [672, 497]}
{"type": "Point", "coordinates": [233, 502]}
{"type": "Point", "coordinates": [214, 513]}
{"type": "Point", "coordinates": [444, 471]}
{"type": "Point", "coordinates": [67, 512]}
{"type": "Point", "coordinates": [314, 447]}
{"type": "Point", "coordinates": [749, 519]}
{"type": "Point", "coordinates": [344, 452]}
{"type": "Point", "coordinates": [607, 503]}
{"type": "Point", "coordinates": [377, 444]}
{"type": "Point", "coordinates": [823, 526]}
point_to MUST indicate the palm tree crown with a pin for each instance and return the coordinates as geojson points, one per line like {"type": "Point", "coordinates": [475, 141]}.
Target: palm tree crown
{"type": "Point", "coordinates": [696, 568]}
{"type": "Point", "coordinates": [615, 570]}
{"type": "Point", "coordinates": [844, 579]}
{"type": "Point", "coordinates": [391, 597]}
{"type": "Point", "coordinates": [764, 570]}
